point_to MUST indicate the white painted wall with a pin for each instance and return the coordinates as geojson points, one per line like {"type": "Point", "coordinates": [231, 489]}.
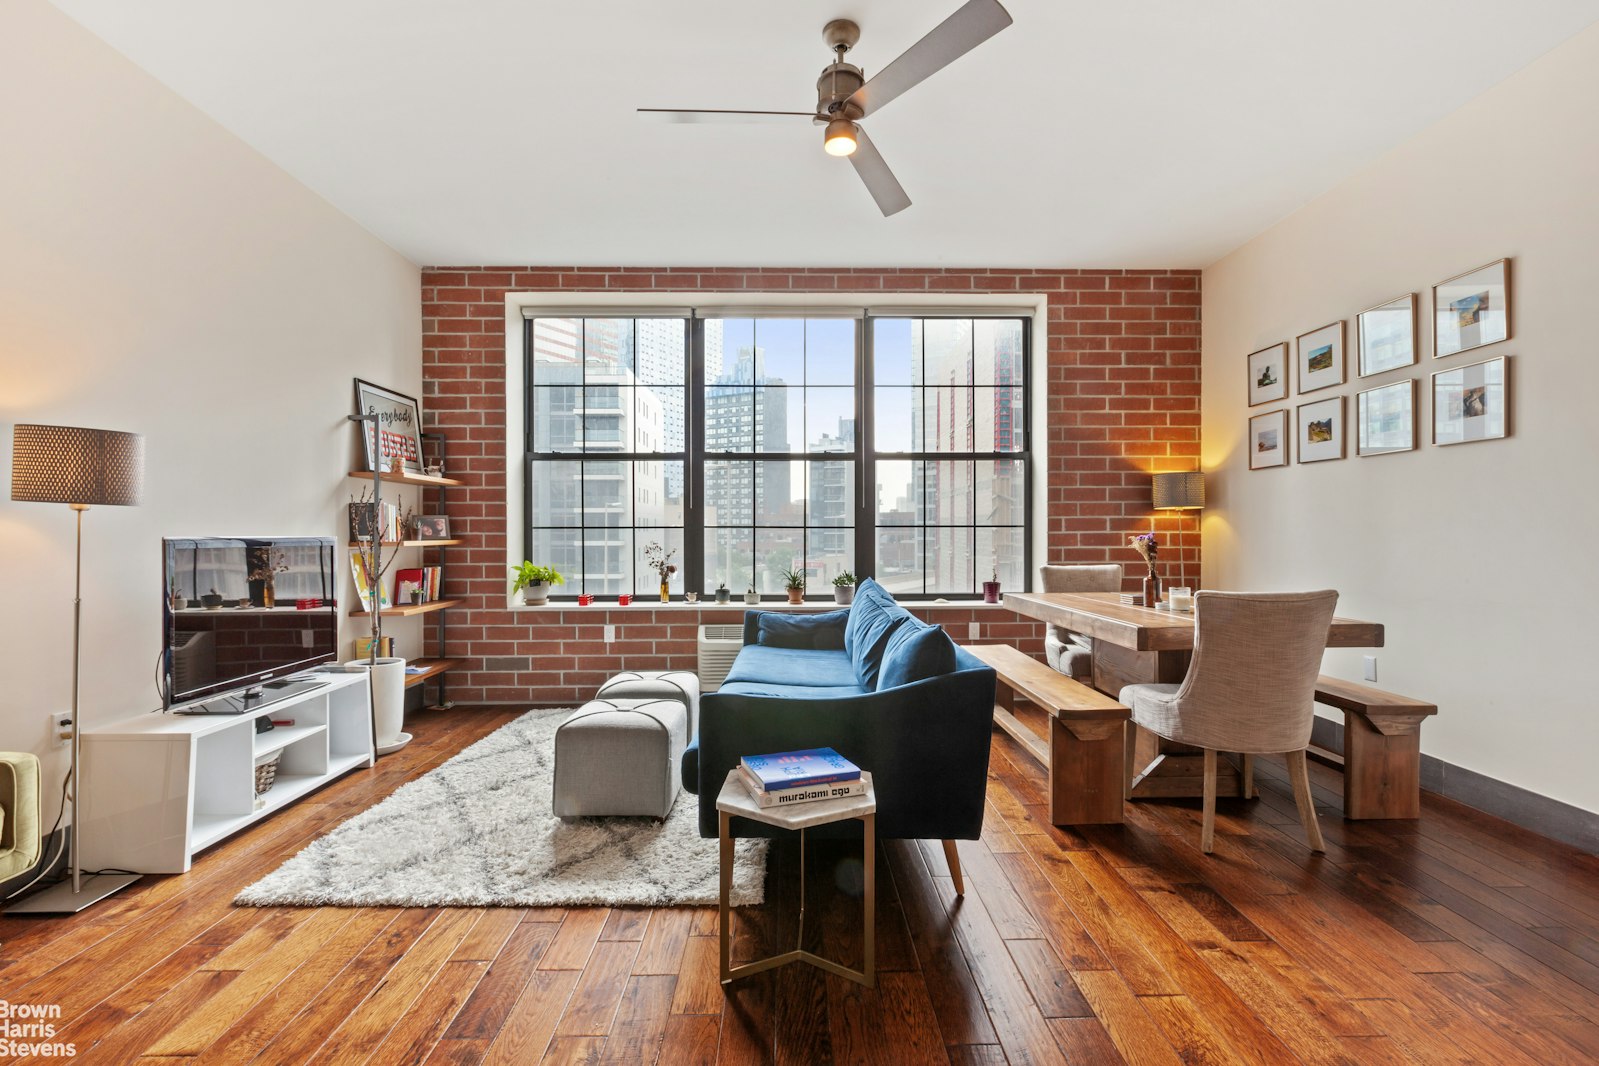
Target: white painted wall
{"type": "Point", "coordinates": [1480, 558]}
{"type": "Point", "coordinates": [158, 275]}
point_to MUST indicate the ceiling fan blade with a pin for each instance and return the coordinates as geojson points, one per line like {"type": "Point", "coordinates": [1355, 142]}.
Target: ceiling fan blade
{"type": "Point", "coordinates": [692, 116]}
{"type": "Point", "coordinates": [880, 181]}
{"type": "Point", "coordinates": [975, 22]}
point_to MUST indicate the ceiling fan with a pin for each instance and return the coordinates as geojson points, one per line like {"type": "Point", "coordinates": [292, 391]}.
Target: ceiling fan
{"type": "Point", "coordinates": [845, 96]}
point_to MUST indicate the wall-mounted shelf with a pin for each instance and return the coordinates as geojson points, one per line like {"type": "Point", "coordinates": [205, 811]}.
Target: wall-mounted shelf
{"type": "Point", "coordinates": [438, 666]}
{"type": "Point", "coordinates": [419, 480]}
{"type": "Point", "coordinates": [407, 609]}
{"type": "Point", "coordinates": [431, 668]}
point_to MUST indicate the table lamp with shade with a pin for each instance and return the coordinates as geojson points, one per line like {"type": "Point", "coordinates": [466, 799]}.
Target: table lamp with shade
{"type": "Point", "coordinates": [81, 468]}
{"type": "Point", "coordinates": [1179, 491]}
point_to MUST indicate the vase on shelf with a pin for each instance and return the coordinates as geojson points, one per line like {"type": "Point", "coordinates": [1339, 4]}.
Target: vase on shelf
{"type": "Point", "coordinates": [666, 593]}
{"type": "Point", "coordinates": [269, 595]}
{"type": "Point", "coordinates": [991, 592]}
{"type": "Point", "coordinates": [1151, 588]}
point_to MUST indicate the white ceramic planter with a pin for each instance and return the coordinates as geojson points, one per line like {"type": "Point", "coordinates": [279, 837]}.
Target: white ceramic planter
{"type": "Point", "coordinates": [388, 703]}
{"type": "Point", "coordinates": [535, 595]}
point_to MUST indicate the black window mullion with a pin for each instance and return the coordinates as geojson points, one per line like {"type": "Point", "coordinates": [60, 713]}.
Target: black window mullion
{"type": "Point", "coordinates": [865, 449]}
{"type": "Point", "coordinates": [693, 461]}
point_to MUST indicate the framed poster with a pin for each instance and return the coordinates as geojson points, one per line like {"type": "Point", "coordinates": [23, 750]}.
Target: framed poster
{"type": "Point", "coordinates": [1321, 357]}
{"type": "Point", "coordinates": [1321, 430]}
{"type": "Point", "coordinates": [1471, 309]}
{"type": "Point", "coordinates": [1471, 402]}
{"type": "Point", "coordinates": [1268, 374]}
{"type": "Point", "coordinates": [396, 438]}
{"type": "Point", "coordinates": [1385, 419]}
{"type": "Point", "coordinates": [1386, 335]}
{"type": "Point", "coordinates": [1268, 440]}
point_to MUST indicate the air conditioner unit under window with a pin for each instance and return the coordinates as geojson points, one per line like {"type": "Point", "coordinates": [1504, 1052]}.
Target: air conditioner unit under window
{"type": "Point", "coordinates": [719, 646]}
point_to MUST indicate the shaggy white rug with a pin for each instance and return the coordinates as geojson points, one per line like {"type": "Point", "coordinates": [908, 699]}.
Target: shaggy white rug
{"type": "Point", "coordinates": [478, 831]}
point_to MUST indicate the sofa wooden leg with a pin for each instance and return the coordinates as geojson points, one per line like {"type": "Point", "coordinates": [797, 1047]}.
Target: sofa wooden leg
{"type": "Point", "coordinates": [953, 857]}
{"type": "Point", "coordinates": [1247, 774]}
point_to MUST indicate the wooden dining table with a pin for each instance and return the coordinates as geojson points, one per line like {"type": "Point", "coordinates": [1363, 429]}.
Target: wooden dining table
{"type": "Point", "coordinates": [1136, 645]}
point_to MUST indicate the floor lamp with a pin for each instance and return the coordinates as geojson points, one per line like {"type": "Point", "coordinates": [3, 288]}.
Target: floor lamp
{"type": "Point", "coordinates": [1184, 491]}
{"type": "Point", "coordinates": [80, 468]}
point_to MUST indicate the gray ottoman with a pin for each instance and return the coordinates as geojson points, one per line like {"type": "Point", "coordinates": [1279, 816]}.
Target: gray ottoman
{"type": "Point", "coordinates": [619, 757]}
{"type": "Point", "coordinates": [680, 685]}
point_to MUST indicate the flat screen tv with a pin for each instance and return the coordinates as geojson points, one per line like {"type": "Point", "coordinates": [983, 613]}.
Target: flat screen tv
{"type": "Point", "coordinates": [241, 611]}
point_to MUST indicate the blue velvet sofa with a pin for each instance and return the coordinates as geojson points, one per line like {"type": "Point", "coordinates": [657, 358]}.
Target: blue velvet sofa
{"type": "Point", "coordinates": [889, 692]}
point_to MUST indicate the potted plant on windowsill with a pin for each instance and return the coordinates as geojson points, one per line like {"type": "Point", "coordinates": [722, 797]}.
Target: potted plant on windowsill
{"type": "Point", "coordinates": [723, 593]}
{"type": "Point", "coordinates": [751, 596]}
{"type": "Point", "coordinates": [794, 585]}
{"type": "Point", "coordinates": [534, 582]}
{"type": "Point", "coordinates": [844, 588]}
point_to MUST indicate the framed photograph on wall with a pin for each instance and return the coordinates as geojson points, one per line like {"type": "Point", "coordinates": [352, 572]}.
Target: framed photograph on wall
{"type": "Point", "coordinates": [1385, 419]}
{"type": "Point", "coordinates": [1268, 440]}
{"type": "Point", "coordinates": [1471, 309]}
{"type": "Point", "coordinates": [1386, 335]}
{"type": "Point", "coordinates": [1320, 354]}
{"type": "Point", "coordinates": [1321, 430]}
{"type": "Point", "coordinates": [1471, 402]}
{"type": "Point", "coordinates": [396, 439]}
{"type": "Point", "coordinates": [1268, 374]}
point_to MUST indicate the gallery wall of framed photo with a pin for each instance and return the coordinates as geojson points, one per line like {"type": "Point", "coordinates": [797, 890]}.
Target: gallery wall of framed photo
{"type": "Point", "coordinates": [1466, 400]}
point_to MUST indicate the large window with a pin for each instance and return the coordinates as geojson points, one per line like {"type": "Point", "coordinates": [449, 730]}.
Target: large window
{"type": "Point", "coordinates": [891, 447]}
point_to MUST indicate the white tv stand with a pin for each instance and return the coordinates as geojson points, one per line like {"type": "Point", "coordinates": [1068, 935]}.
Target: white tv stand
{"type": "Point", "coordinates": [158, 788]}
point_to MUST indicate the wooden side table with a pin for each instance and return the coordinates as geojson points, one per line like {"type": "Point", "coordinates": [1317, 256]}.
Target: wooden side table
{"type": "Point", "coordinates": [735, 800]}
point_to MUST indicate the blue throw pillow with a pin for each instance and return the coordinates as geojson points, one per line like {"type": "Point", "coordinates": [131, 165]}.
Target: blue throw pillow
{"type": "Point", "coordinates": [821, 631]}
{"type": "Point", "coordinates": [867, 594]}
{"type": "Point", "coordinates": [871, 622]}
{"type": "Point", "coordinates": [916, 652]}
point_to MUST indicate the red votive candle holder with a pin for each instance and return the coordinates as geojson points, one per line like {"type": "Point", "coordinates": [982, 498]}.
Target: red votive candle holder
{"type": "Point", "coordinates": [624, 599]}
{"type": "Point", "coordinates": [585, 599]}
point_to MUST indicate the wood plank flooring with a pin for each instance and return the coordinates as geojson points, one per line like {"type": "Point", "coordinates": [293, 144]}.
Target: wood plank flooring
{"type": "Point", "coordinates": [1454, 938]}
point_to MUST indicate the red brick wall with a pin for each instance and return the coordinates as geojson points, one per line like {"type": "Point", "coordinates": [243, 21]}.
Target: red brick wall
{"type": "Point", "coordinates": [1123, 378]}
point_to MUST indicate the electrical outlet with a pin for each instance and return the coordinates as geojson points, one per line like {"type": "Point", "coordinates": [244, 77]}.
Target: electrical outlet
{"type": "Point", "coordinates": [59, 729]}
{"type": "Point", "coordinates": [1371, 667]}
{"type": "Point", "coordinates": [306, 638]}
{"type": "Point", "coordinates": [610, 634]}
{"type": "Point", "coordinates": [974, 631]}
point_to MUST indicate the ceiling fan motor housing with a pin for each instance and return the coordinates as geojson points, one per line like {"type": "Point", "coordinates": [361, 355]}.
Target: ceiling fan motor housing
{"type": "Point", "coordinates": [836, 85]}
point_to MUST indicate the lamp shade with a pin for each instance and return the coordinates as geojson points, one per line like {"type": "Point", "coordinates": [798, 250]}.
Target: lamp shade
{"type": "Point", "coordinates": [1179, 491]}
{"type": "Point", "coordinates": [66, 464]}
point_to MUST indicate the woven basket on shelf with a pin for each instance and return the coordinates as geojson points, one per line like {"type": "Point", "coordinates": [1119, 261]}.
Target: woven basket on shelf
{"type": "Point", "coordinates": [266, 771]}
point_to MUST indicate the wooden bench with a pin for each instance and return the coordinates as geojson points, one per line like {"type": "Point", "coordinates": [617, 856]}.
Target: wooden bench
{"type": "Point", "coordinates": [1382, 748]}
{"type": "Point", "coordinates": [1084, 750]}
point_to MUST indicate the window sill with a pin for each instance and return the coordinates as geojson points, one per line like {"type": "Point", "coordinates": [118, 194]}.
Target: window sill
{"type": "Point", "coordinates": [764, 605]}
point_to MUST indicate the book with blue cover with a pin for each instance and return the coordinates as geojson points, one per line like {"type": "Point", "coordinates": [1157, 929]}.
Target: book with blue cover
{"type": "Point", "coordinates": [793, 769]}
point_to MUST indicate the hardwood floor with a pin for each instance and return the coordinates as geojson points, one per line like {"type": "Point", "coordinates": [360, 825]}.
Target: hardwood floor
{"type": "Point", "coordinates": [1455, 938]}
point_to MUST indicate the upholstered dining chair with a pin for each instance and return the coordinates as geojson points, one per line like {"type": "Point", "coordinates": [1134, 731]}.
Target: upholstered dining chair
{"type": "Point", "coordinates": [1068, 651]}
{"type": "Point", "coordinates": [1249, 688]}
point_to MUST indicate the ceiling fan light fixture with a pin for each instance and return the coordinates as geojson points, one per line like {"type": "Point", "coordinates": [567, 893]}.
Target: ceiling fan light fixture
{"type": "Point", "coordinates": [841, 139]}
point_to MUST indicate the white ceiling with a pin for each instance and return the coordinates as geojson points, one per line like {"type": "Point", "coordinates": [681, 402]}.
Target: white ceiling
{"type": "Point", "coordinates": [1151, 133]}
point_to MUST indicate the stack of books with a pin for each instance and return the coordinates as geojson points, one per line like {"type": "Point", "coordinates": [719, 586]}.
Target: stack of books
{"type": "Point", "coordinates": [429, 579]}
{"type": "Point", "coordinates": [1135, 599]}
{"type": "Point", "coordinates": [790, 777]}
